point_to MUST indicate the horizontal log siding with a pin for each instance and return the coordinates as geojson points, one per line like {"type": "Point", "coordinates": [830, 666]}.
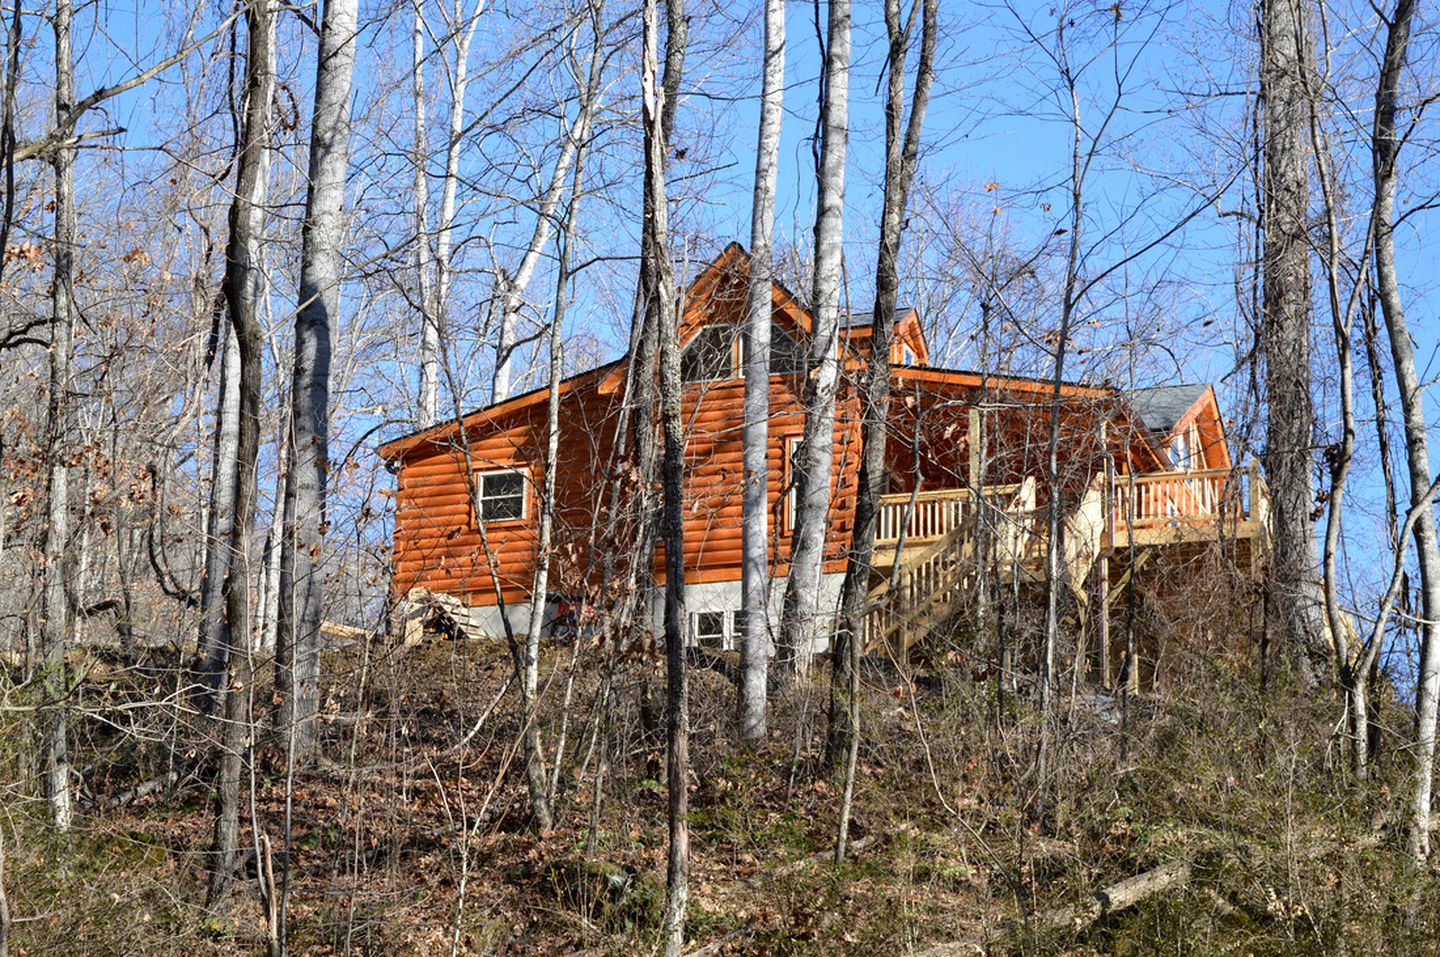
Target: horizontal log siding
{"type": "Point", "coordinates": [437, 542]}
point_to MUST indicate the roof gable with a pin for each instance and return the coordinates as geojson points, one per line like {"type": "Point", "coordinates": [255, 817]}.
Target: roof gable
{"type": "Point", "coordinates": [1163, 408]}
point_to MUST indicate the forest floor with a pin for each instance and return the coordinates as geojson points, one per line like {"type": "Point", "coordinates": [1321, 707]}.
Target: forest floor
{"type": "Point", "coordinates": [412, 835]}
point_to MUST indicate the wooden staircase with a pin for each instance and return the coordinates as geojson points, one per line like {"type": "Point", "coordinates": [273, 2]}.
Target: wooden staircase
{"type": "Point", "coordinates": [926, 586]}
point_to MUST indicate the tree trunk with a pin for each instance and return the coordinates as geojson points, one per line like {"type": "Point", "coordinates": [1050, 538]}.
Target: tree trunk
{"type": "Point", "coordinates": [542, 796]}
{"type": "Point", "coordinates": [428, 402]}
{"type": "Point", "coordinates": [1285, 332]}
{"type": "Point", "coordinates": [464, 32]}
{"type": "Point", "coordinates": [214, 638]}
{"type": "Point", "coordinates": [755, 561]}
{"type": "Point", "coordinates": [510, 287]}
{"type": "Point", "coordinates": [800, 617]}
{"type": "Point", "coordinates": [297, 651]}
{"type": "Point", "coordinates": [660, 299]}
{"type": "Point", "coordinates": [902, 147]}
{"type": "Point", "coordinates": [242, 285]}
{"type": "Point", "coordinates": [1385, 155]}
{"type": "Point", "coordinates": [1055, 571]}
{"type": "Point", "coordinates": [57, 530]}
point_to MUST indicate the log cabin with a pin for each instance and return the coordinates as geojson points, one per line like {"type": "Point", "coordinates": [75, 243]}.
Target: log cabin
{"type": "Point", "coordinates": [968, 482]}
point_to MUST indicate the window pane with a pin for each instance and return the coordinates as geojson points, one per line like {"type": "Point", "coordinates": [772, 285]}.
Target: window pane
{"type": "Point", "coordinates": [502, 496]}
{"type": "Point", "coordinates": [503, 509]}
{"type": "Point", "coordinates": [737, 624]}
{"type": "Point", "coordinates": [503, 484]}
{"type": "Point", "coordinates": [707, 356]}
{"type": "Point", "coordinates": [787, 355]}
{"type": "Point", "coordinates": [710, 629]}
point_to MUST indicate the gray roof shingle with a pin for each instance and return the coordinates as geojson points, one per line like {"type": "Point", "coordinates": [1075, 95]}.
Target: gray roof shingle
{"type": "Point", "coordinates": [1161, 406]}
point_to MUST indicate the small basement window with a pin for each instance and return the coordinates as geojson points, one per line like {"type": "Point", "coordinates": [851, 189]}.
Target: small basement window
{"type": "Point", "coordinates": [500, 496]}
{"type": "Point", "coordinates": [709, 628]}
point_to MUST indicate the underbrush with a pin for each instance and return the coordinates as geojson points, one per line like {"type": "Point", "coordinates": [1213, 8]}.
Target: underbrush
{"type": "Point", "coordinates": [412, 834]}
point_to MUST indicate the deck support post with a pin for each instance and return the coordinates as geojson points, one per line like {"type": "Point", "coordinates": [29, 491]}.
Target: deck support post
{"type": "Point", "coordinates": [1102, 615]}
{"type": "Point", "coordinates": [983, 556]}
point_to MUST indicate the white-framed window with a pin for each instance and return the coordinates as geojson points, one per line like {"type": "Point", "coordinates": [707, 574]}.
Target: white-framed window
{"type": "Point", "coordinates": [717, 630]}
{"type": "Point", "coordinates": [500, 496]}
{"type": "Point", "coordinates": [708, 629]}
{"type": "Point", "coordinates": [791, 444]}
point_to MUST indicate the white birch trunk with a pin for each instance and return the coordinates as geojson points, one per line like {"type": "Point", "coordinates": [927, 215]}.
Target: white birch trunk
{"type": "Point", "coordinates": [464, 27]}
{"type": "Point", "coordinates": [755, 561]}
{"type": "Point", "coordinates": [510, 288]}
{"type": "Point", "coordinates": [1386, 151]}
{"type": "Point", "coordinates": [214, 635]}
{"type": "Point", "coordinates": [57, 530]}
{"type": "Point", "coordinates": [301, 565]}
{"type": "Point", "coordinates": [429, 388]}
{"type": "Point", "coordinates": [800, 625]}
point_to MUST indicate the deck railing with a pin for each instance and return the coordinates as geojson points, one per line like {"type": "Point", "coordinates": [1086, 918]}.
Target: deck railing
{"type": "Point", "coordinates": [943, 525]}
{"type": "Point", "coordinates": [1139, 501]}
{"type": "Point", "coordinates": [931, 515]}
{"type": "Point", "coordinates": [1190, 498]}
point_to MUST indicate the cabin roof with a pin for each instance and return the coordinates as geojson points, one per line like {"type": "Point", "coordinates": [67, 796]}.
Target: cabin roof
{"type": "Point", "coordinates": [398, 447]}
{"type": "Point", "coordinates": [855, 320]}
{"type": "Point", "coordinates": [1162, 407]}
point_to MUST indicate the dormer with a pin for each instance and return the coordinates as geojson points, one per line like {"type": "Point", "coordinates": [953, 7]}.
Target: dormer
{"type": "Point", "coordinates": [1184, 424]}
{"type": "Point", "coordinates": [907, 346]}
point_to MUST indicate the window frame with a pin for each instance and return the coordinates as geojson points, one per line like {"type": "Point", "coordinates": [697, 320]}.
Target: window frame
{"type": "Point", "coordinates": [776, 329]}
{"type": "Point", "coordinates": [788, 445]}
{"type": "Point", "coordinates": [481, 498]}
{"type": "Point", "coordinates": [699, 639]}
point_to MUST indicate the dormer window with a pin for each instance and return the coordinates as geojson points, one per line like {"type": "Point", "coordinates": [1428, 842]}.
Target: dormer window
{"type": "Point", "coordinates": [718, 352]}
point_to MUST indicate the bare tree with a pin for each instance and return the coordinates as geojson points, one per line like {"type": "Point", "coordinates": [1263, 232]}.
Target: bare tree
{"type": "Point", "coordinates": [241, 286]}
{"type": "Point", "coordinates": [660, 302]}
{"type": "Point", "coordinates": [541, 795]}
{"type": "Point", "coordinates": [902, 151]}
{"type": "Point", "coordinates": [428, 405]}
{"type": "Point", "coordinates": [297, 649]}
{"type": "Point", "coordinates": [510, 286]}
{"type": "Point", "coordinates": [214, 641]}
{"type": "Point", "coordinates": [1385, 151]}
{"type": "Point", "coordinates": [815, 456]}
{"type": "Point", "coordinates": [755, 563]}
{"type": "Point", "coordinates": [433, 267]}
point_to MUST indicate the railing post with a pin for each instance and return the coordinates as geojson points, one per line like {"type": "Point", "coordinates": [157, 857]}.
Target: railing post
{"type": "Point", "coordinates": [1254, 487]}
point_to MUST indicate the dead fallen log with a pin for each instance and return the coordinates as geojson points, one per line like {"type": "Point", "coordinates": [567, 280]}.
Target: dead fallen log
{"type": "Point", "coordinates": [795, 867]}
{"type": "Point", "coordinates": [716, 946]}
{"type": "Point", "coordinates": [144, 788]}
{"type": "Point", "coordinates": [1108, 900]}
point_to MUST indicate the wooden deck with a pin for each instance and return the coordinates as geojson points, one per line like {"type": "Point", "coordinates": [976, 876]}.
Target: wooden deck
{"type": "Point", "coordinates": [931, 545]}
